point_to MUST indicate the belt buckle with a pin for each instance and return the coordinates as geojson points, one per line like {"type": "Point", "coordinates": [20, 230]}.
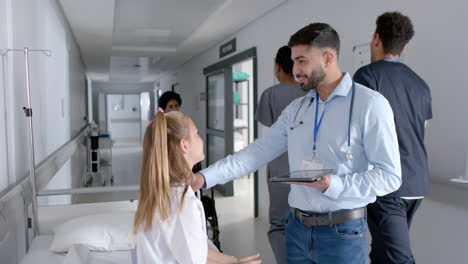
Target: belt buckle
{"type": "Point", "coordinates": [301, 214]}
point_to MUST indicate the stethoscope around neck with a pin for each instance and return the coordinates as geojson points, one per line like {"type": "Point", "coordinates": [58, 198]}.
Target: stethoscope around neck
{"type": "Point", "coordinates": [349, 154]}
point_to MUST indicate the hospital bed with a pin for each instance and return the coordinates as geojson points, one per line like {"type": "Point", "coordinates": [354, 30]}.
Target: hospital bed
{"type": "Point", "coordinates": [26, 241]}
{"type": "Point", "coordinates": [27, 229]}
{"type": "Point", "coordinates": [51, 217]}
{"type": "Point", "coordinates": [19, 244]}
{"type": "Point", "coordinates": [39, 253]}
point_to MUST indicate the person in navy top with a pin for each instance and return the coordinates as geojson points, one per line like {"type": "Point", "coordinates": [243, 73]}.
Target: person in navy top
{"type": "Point", "coordinates": [389, 218]}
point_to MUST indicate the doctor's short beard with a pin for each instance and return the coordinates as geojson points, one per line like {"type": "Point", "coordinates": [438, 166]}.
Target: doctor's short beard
{"type": "Point", "coordinates": [313, 79]}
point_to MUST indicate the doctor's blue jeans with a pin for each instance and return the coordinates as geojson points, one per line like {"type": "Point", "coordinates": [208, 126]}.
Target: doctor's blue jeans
{"type": "Point", "coordinates": [335, 244]}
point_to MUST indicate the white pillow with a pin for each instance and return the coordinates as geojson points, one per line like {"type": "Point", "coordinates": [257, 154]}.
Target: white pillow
{"type": "Point", "coordinates": [100, 232]}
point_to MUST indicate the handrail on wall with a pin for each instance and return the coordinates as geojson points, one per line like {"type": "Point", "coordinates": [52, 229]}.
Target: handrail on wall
{"type": "Point", "coordinates": [47, 168]}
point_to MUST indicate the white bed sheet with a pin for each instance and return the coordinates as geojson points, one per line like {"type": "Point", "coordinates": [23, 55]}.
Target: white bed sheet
{"type": "Point", "coordinates": [39, 254]}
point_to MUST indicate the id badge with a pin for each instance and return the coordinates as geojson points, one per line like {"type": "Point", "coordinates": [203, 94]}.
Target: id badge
{"type": "Point", "coordinates": [311, 165]}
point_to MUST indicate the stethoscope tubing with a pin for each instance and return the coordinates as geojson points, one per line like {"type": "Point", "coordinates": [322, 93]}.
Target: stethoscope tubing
{"type": "Point", "coordinates": [351, 107]}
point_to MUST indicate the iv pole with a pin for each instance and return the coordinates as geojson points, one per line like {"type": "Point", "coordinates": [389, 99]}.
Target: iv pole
{"type": "Point", "coordinates": [28, 112]}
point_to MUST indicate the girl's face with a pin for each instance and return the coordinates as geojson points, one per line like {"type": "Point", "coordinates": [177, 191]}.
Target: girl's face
{"type": "Point", "coordinates": [193, 145]}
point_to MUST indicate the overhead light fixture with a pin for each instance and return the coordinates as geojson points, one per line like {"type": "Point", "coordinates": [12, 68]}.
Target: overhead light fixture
{"type": "Point", "coordinates": [153, 32]}
{"type": "Point", "coordinates": [142, 49]}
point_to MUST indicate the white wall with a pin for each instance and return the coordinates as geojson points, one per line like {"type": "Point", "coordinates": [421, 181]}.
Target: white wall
{"type": "Point", "coordinates": [57, 83]}
{"type": "Point", "coordinates": [164, 81]}
{"type": "Point", "coordinates": [3, 127]}
{"type": "Point", "coordinates": [146, 115]}
{"type": "Point", "coordinates": [437, 53]}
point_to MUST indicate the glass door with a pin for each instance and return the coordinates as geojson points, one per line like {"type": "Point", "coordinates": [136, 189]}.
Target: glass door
{"type": "Point", "coordinates": [231, 96]}
{"type": "Point", "coordinates": [219, 128]}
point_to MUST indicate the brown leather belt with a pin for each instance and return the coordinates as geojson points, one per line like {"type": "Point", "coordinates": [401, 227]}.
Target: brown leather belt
{"type": "Point", "coordinates": [326, 219]}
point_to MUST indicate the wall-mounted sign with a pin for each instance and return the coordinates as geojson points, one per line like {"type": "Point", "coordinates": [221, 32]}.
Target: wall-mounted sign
{"type": "Point", "coordinates": [361, 55]}
{"type": "Point", "coordinates": [227, 48]}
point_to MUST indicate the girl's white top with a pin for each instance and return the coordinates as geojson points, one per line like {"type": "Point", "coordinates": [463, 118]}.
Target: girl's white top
{"type": "Point", "coordinates": [181, 239]}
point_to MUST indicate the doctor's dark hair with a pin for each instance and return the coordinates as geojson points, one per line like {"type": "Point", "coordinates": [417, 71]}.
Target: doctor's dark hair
{"type": "Point", "coordinates": [163, 166]}
{"type": "Point", "coordinates": [319, 35]}
{"type": "Point", "coordinates": [283, 59]}
{"type": "Point", "coordinates": [395, 30]}
{"type": "Point", "coordinates": [168, 96]}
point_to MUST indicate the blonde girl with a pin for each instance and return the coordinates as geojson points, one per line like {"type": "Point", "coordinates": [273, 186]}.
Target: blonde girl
{"type": "Point", "coordinates": [170, 221]}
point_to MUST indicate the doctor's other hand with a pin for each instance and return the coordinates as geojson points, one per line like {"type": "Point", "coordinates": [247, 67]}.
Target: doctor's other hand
{"type": "Point", "coordinates": [321, 184]}
{"type": "Point", "coordinates": [198, 181]}
{"type": "Point", "coordinates": [253, 259]}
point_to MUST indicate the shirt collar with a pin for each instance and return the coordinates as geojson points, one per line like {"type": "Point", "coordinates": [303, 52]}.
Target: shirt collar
{"type": "Point", "coordinates": [342, 89]}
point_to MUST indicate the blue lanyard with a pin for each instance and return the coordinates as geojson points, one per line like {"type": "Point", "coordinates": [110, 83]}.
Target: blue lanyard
{"type": "Point", "coordinates": [317, 125]}
{"type": "Point", "coordinates": [392, 59]}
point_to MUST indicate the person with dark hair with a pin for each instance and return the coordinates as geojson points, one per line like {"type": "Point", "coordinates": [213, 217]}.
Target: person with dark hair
{"type": "Point", "coordinates": [340, 126]}
{"type": "Point", "coordinates": [272, 102]}
{"type": "Point", "coordinates": [389, 218]}
{"type": "Point", "coordinates": [170, 101]}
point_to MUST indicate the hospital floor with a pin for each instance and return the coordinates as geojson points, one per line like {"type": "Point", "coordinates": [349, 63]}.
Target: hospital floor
{"type": "Point", "coordinates": [240, 233]}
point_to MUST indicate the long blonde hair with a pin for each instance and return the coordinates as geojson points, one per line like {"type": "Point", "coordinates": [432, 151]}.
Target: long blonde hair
{"type": "Point", "coordinates": [161, 149]}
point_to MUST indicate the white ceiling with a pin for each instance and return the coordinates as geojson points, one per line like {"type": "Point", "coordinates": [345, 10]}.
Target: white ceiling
{"type": "Point", "coordinates": [134, 40]}
{"type": "Point", "coordinates": [158, 23]}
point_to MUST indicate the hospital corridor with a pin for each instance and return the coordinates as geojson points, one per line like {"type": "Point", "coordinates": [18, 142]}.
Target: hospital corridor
{"type": "Point", "coordinates": [233, 131]}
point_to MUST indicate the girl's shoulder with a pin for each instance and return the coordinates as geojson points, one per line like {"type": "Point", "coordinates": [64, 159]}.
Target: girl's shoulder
{"type": "Point", "coordinates": [190, 196]}
{"type": "Point", "coordinates": [180, 189]}
{"type": "Point", "coordinates": [191, 205]}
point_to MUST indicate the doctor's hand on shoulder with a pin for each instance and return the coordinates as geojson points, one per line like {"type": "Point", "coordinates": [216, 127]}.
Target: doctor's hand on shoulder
{"type": "Point", "coordinates": [198, 181]}
{"type": "Point", "coordinates": [321, 184]}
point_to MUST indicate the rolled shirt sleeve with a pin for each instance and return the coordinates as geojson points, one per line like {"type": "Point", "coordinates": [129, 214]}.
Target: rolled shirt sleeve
{"type": "Point", "coordinates": [249, 159]}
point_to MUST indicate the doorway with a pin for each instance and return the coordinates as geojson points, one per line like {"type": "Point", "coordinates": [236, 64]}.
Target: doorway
{"type": "Point", "coordinates": [231, 95]}
{"type": "Point", "coordinates": [128, 115]}
{"type": "Point", "coordinates": [124, 118]}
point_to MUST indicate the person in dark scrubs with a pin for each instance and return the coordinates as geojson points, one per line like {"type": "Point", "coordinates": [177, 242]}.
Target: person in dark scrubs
{"type": "Point", "coordinates": [389, 218]}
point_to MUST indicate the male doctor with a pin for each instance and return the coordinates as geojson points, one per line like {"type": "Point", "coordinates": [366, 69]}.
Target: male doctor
{"type": "Point", "coordinates": [339, 125]}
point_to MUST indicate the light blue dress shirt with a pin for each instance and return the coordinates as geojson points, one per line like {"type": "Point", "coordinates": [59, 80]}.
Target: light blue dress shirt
{"type": "Point", "coordinates": [374, 170]}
